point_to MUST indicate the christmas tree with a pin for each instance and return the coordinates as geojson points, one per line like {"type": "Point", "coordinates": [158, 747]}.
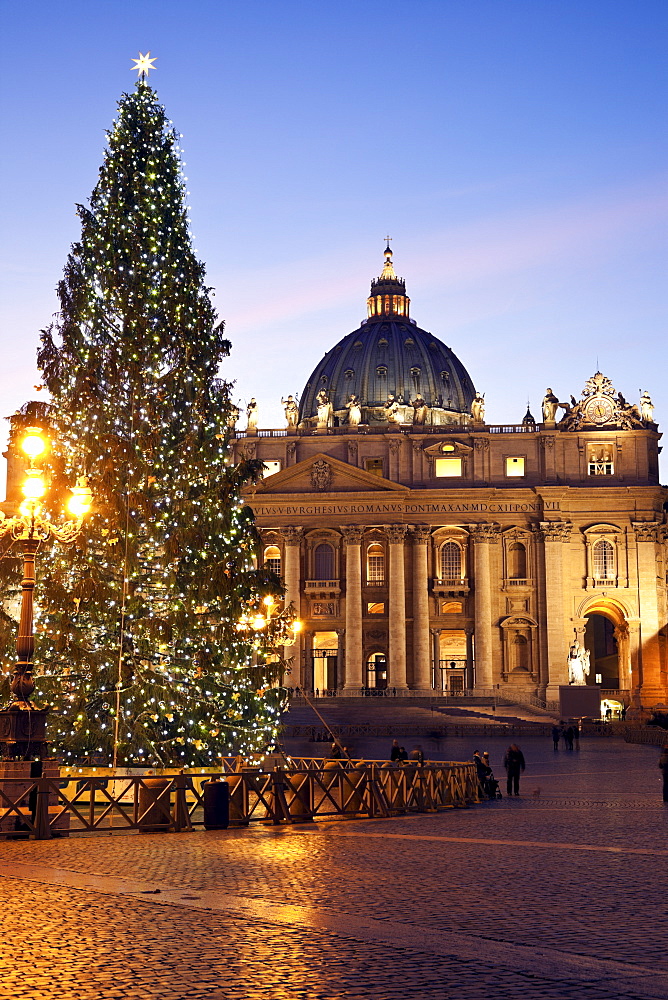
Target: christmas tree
{"type": "Point", "coordinates": [138, 645]}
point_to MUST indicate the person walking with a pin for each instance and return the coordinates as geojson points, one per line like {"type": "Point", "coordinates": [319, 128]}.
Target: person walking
{"type": "Point", "coordinates": [514, 765]}
{"type": "Point", "coordinates": [663, 764]}
{"type": "Point", "coordinates": [556, 735]}
{"type": "Point", "coordinates": [568, 737]}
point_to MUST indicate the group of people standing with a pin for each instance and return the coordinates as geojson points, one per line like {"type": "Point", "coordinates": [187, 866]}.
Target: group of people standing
{"type": "Point", "coordinates": [570, 734]}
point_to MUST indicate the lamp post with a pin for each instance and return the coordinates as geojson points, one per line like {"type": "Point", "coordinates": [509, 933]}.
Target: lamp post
{"type": "Point", "coordinates": [282, 627]}
{"type": "Point", "coordinates": [25, 734]}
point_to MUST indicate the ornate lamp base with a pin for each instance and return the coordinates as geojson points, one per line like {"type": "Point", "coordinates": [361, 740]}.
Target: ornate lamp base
{"type": "Point", "coordinates": [23, 733]}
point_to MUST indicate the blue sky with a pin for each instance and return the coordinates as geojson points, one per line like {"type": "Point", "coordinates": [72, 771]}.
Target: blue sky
{"type": "Point", "coordinates": [514, 149]}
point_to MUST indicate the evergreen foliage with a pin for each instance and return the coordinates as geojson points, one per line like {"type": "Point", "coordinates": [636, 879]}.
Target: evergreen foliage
{"type": "Point", "coordinates": [132, 365]}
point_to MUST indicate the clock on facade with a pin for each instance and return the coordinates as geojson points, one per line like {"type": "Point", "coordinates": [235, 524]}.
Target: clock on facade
{"type": "Point", "coordinates": [599, 410]}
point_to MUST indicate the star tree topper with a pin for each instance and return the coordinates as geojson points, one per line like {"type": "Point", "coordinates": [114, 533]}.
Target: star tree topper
{"type": "Point", "coordinates": [143, 65]}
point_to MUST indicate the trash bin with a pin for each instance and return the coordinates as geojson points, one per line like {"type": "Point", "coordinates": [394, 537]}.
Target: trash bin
{"type": "Point", "coordinates": [216, 798]}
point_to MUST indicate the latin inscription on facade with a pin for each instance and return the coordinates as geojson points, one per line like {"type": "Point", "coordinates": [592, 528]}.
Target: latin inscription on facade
{"type": "Point", "coordinates": [474, 507]}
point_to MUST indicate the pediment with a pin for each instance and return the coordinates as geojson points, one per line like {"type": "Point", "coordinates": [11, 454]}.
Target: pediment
{"type": "Point", "coordinates": [448, 447]}
{"type": "Point", "coordinates": [322, 474]}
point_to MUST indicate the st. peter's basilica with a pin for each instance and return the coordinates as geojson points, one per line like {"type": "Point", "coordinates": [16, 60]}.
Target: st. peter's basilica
{"type": "Point", "coordinates": [427, 549]}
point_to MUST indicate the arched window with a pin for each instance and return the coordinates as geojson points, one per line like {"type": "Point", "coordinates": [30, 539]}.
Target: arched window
{"type": "Point", "coordinates": [323, 559]}
{"type": "Point", "coordinates": [375, 563]}
{"type": "Point", "coordinates": [272, 559]}
{"type": "Point", "coordinates": [517, 561]}
{"type": "Point", "coordinates": [521, 656]}
{"type": "Point", "coordinates": [604, 560]}
{"type": "Point", "coordinates": [451, 561]}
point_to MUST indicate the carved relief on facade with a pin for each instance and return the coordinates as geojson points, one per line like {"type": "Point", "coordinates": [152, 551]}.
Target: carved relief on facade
{"type": "Point", "coordinates": [291, 451]}
{"type": "Point", "coordinates": [485, 531]}
{"type": "Point", "coordinates": [292, 535]}
{"type": "Point", "coordinates": [249, 450]}
{"type": "Point", "coordinates": [648, 531]}
{"type": "Point", "coordinates": [420, 533]}
{"type": "Point", "coordinates": [396, 533]}
{"type": "Point", "coordinates": [394, 445]}
{"type": "Point", "coordinates": [321, 475]}
{"type": "Point", "coordinates": [556, 531]}
{"type": "Point", "coordinates": [352, 452]}
{"type": "Point", "coordinates": [352, 534]}
{"type": "Point", "coordinates": [324, 609]}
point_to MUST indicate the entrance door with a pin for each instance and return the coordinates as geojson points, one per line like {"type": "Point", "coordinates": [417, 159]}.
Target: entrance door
{"type": "Point", "coordinates": [376, 671]}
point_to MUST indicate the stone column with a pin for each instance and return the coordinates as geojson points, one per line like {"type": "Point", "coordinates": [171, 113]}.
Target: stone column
{"type": "Point", "coordinates": [353, 667]}
{"type": "Point", "coordinates": [468, 683]}
{"type": "Point", "coordinates": [421, 659]}
{"type": "Point", "coordinates": [647, 536]}
{"type": "Point", "coordinates": [397, 595]}
{"type": "Point", "coordinates": [555, 535]}
{"type": "Point", "coordinates": [292, 538]}
{"type": "Point", "coordinates": [484, 535]}
{"type": "Point", "coordinates": [633, 625]}
{"type": "Point", "coordinates": [436, 656]}
{"type": "Point", "coordinates": [621, 634]}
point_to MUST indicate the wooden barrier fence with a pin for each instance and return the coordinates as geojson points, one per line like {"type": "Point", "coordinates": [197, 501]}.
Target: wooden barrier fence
{"type": "Point", "coordinates": [40, 808]}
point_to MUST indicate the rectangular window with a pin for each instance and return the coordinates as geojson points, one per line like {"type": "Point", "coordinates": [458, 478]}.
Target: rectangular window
{"type": "Point", "coordinates": [374, 466]}
{"type": "Point", "coordinates": [375, 608]}
{"type": "Point", "coordinates": [270, 468]}
{"type": "Point", "coordinates": [449, 467]}
{"type": "Point", "coordinates": [515, 466]}
{"type": "Point", "coordinates": [599, 460]}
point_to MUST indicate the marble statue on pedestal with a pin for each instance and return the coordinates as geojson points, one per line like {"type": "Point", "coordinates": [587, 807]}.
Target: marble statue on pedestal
{"type": "Point", "coordinates": [232, 417]}
{"type": "Point", "coordinates": [392, 410]}
{"type": "Point", "coordinates": [354, 411]}
{"type": "Point", "coordinates": [646, 407]}
{"type": "Point", "coordinates": [478, 408]}
{"type": "Point", "coordinates": [420, 410]}
{"type": "Point", "coordinates": [578, 664]}
{"type": "Point", "coordinates": [251, 415]}
{"type": "Point", "coordinates": [325, 410]}
{"type": "Point", "coordinates": [550, 406]}
{"type": "Point", "coordinates": [291, 411]}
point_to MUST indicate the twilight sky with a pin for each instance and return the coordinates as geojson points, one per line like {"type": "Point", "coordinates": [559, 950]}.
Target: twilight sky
{"type": "Point", "coordinates": [515, 150]}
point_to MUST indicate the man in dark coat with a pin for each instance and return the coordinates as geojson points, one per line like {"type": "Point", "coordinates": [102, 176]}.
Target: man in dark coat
{"type": "Point", "coordinates": [395, 752]}
{"type": "Point", "coordinates": [514, 765]}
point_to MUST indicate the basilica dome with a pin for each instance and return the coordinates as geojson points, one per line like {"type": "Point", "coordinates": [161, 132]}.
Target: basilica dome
{"type": "Point", "coordinates": [389, 358]}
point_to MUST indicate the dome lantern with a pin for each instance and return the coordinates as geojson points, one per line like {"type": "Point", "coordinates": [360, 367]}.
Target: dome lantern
{"type": "Point", "coordinates": [388, 293]}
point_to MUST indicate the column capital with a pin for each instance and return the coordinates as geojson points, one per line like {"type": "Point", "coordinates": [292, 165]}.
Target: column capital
{"type": "Point", "coordinates": [647, 531]}
{"type": "Point", "coordinates": [396, 533]}
{"type": "Point", "coordinates": [556, 531]}
{"type": "Point", "coordinates": [292, 535]}
{"type": "Point", "coordinates": [421, 533]}
{"type": "Point", "coordinates": [352, 534]}
{"type": "Point", "coordinates": [485, 531]}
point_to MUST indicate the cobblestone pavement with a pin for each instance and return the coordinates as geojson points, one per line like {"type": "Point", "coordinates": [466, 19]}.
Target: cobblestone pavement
{"type": "Point", "coordinates": [558, 894]}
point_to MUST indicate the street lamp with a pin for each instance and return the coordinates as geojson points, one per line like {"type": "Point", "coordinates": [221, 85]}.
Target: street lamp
{"type": "Point", "coordinates": [282, 627]}
{"type": "Point", "coordinates": [30, 527]}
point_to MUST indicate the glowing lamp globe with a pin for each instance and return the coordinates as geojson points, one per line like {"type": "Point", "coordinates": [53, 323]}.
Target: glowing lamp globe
{"type": "Point", "coordinates": [258, 622]}
{"type": "Point", "coordinates": [33, 486]}
{"type": "Point", "coordinates": [82, 497]}
{"type": "Point", "coordinates": [33, 443]}
{"type": "Point", "coordinates": [297, 626]}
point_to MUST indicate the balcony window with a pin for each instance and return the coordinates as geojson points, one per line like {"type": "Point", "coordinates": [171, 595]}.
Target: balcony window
{"type": "Point", "coordinates": [515, 466]}
{"type": "Point", "coordinates": [272, 559]}
{"type": "Point", "coordinates": [448, 467]}
{"type": "Point", "coordinates": [375, 563]}
{"type": "Point", "coordinates": [604, 560]}
{"type": "Point", "coordinates": [323, 561]}
{"type": "Point", "coordinates": [451, 561]}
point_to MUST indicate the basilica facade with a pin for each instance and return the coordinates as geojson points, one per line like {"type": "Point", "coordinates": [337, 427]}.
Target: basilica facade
{"type": "Point", "coordinates": [426, 549]}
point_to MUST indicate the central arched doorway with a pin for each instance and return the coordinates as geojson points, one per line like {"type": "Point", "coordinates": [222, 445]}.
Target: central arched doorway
{"type": "Point", "coordinates": [600, 639]}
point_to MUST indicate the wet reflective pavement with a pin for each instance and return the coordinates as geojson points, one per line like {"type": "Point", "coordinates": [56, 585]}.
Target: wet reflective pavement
{"type": "Point", "coordinates": [560, 893]}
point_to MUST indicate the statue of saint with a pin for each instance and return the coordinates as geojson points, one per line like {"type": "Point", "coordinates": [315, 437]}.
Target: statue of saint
{"type": "Point", "coordinates": [251, 415]}
{"type": "Point", "coordinates": [232, 417]}
{"type": "Point", "coordinates": [354, 411]}
{"type": "Point", "coordinates": [392, 410]}
{"type": "Point", "coordinates": [646, 407]}
{"type": "Point", "coordinates": [478, 408]}
{"type": "Point", "coordinates": [291, 411]}
{"type": "Point", "coordinates": [420, 410]}
{"type": "Point", "coordinates": [550, 406]}
{"type": "Point", "coordinates": [578, 664]}
{"type": "Point", "coordinates": [325, 410]}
